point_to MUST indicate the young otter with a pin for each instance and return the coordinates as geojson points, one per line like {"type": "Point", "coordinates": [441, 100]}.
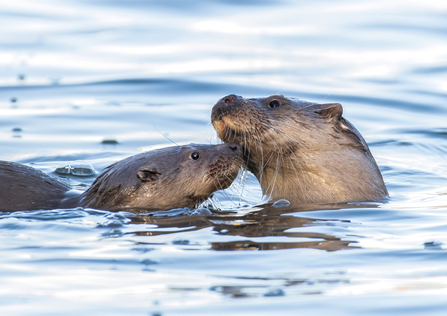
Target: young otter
{"type": "Point", "coordinates": [26, 188]}
{"type": "Point", "coordinates": [167, 178]}
{"type": "Point", "coordinates": [300, 151]}
{"type": "Point", "coordinates": [162, 179]}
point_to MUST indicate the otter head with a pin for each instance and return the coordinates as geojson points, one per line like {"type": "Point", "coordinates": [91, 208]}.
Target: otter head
{"type": "Point", "coordinates": [173, 177]}
{"type": "Point", "coordinates": [295, 148]}
{"type": "Point", "coordinates": [280, 124]}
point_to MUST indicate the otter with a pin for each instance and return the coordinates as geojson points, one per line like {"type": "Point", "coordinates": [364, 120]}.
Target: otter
{"type": "Point", "coordinates": [161, 179]}
{"type": "Point", "coordinates": [300, 151]}
{"type": "Point", "coordinates": [25, 188]}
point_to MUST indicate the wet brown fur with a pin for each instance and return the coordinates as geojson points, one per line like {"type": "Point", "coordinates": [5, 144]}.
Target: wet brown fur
{"type": "Point", "coordinates": [161, 179]}
{"type": "Point", "coordinates": [165, 178]}
{"type": "Point", "coordinates": [26, 188]}
{"type": "Point", "coordinates": [300, 151]}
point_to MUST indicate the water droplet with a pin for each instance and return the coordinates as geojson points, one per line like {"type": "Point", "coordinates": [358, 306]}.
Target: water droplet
{"type": "Point", "coordinates": [275, 292]}
{"type": "Point", "coordinates": [281, 203]}
{"type": "Point", "coordinates": [201, 211]}
{"type": "Point", "coordinates": [109, 141]}
{"type": "Point", "coordinates": [83, 169]}
{"type": "Point", "coordinates": [180, 242]}
{"type": "Point", "coordinates": [78, 168]}
{"type": "Point", "coordinates": [433, 245]}
{"type": "Point", "coordinates": [148, 262]}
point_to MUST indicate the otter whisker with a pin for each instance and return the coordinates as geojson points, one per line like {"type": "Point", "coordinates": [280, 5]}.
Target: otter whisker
{"type": "Point", "coordinates": [275, 176]}
{"type": "Point", "coordinates": [262, 157]}
{"type": "Point", "coordinates": [299, 181]}
{"type": "Point", "coordinates": [235, 192]}
{"type": "Point", "coordinates": [242, 181]}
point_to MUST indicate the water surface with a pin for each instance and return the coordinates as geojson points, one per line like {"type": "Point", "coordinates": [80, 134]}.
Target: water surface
{"type": "Point", "coordinates": [142, 73]}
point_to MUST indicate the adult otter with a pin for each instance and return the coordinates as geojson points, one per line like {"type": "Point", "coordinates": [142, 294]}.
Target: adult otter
{"type": "Point", "coordinates": [300, 151]}
{"type": "Point", "coordinates": [173, 177]}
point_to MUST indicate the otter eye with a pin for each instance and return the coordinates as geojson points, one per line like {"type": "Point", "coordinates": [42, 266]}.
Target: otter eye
{"type": "Point", "coordinates": [195, 156]}
{"type": "Point", "coordinates": [274, 104]}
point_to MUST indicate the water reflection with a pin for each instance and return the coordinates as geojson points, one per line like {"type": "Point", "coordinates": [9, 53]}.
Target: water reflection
{"type": "Point", "coordinates": [268, 226]}
{"type": "Point", "coordinates": [256, 226]}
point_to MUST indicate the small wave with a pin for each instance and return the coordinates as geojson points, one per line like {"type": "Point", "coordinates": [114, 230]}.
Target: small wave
{"type": "Point", "coordinates": [47, 215]}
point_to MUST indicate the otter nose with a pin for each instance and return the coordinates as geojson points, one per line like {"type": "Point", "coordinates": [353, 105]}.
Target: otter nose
{"type": "Point", "coordinates": [233, 147]}
{"type": "Point", "coordinates": [229, 99]}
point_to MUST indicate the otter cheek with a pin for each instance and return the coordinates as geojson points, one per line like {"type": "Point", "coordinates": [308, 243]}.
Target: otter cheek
{"type": "Point", "coordinates": [219, 126]}
{"type": "Point", "coordinates": [229, 122]}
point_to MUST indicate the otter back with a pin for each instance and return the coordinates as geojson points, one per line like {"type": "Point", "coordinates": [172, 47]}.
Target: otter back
{"type": "Point", "coordinates": [26, 188]}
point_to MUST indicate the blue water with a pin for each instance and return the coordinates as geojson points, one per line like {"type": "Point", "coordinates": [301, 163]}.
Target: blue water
{"type": "Point", "coordinates": [142, 73]}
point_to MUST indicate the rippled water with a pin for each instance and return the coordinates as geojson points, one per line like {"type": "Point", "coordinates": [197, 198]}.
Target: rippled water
{"type": "Point", "coordinates": [76, 73]}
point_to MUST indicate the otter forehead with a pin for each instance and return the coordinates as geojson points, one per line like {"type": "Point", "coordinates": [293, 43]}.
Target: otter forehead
{"type": "Point", "coordinates": [265, 106]}
{"type": "Point", "coordinates": [279, 101]}
{"type": "Point", "coordinates": [235, 118]}
{"type": "Point", "coordinates": [171, 159]}
{"type": "Point", "coordinates": [203, 147]}
{"type": "Point", "coordinates": [264, 100]}
{"type": "Point", "coordinates": [161, 154]}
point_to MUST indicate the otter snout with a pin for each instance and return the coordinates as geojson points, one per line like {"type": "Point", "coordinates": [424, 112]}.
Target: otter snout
{"type": "Point", "coordinates": [229, 100]}
{"type": "Point", "coordinates": [222, 109]}
{"type": "Point", "coordinates": [224, 105]}
{"type": "Point", "coordinates": [226, 164]}
{"type": "Point", "coordinates": [233, 150]}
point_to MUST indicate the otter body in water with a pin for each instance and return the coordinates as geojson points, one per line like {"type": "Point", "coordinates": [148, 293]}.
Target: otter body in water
{"type": "Point", "coordinates": [300, 151]}
{"type": "Point", "coordinates": [26, 188]}
{"type": "Point", "coordinates": [167, 178]}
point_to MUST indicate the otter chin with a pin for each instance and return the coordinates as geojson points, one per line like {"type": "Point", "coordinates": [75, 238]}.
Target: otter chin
{"type": "Point", "coordinates": [300, 151]}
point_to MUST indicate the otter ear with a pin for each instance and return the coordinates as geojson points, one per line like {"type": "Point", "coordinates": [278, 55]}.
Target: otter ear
{"type": "Point", "coordinates": [331, 112]}
{"type": "Point", "coordinates": [147, 175]}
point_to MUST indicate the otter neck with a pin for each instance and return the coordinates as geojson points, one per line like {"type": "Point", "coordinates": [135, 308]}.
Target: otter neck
{"type": "Point", "coordinates": [316, 179]}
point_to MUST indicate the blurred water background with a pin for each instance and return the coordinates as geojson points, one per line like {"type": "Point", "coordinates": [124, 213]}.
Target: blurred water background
{"type": "Point", "coordinates": [96, 81]}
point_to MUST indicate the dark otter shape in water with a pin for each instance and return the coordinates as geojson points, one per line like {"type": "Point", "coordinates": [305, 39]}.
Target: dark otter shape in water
{"type": "Point", "coordinates": [300, 151]}
{"type": "Point", "coordinates": [162, 179]}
